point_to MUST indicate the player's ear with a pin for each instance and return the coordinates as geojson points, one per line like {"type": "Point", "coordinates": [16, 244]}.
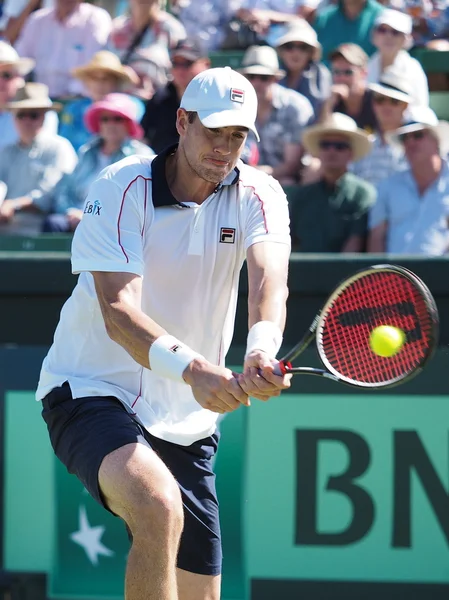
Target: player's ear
{"type": "Point", "coordinates": [182, 121]}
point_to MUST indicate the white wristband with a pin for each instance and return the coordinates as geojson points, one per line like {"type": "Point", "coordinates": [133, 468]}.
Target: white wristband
{"type": "Point", "coordinates": [265, 336]}
{"type": "Point", "coordinates": [169, 357]}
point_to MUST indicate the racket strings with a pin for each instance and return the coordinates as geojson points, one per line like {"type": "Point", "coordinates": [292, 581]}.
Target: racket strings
{"type": "Point", "coordinates": [381, 298]}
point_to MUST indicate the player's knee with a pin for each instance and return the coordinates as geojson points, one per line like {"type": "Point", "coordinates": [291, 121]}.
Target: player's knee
{"type": "Point", "coordinates": [159, 514]}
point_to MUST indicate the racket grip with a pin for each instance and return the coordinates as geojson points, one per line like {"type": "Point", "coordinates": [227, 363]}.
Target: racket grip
{"type": "Point", "coordinates": [281, 368]}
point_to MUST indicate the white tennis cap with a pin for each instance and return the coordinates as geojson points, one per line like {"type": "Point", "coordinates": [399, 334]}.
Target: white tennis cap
{"type": "Point", "coordinates": [222, 98]}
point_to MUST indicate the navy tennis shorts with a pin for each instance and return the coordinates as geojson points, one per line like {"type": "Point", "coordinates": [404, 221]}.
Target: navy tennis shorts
{"type": "Point", "coordinates": [84, 430]}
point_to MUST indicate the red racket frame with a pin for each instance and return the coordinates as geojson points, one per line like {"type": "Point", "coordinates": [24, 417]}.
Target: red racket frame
{"type": "Point", "coordinates": [355, 364]}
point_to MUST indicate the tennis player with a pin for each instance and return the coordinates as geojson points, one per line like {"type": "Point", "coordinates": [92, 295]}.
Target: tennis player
{"type": "Point", "coordinates": [135, 379]}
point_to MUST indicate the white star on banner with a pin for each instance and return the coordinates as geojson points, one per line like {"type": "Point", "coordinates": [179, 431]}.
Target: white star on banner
{"type": "Point", "coordinates": [89, 538]}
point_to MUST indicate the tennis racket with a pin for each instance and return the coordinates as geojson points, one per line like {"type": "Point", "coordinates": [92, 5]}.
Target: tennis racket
{"type": "Point", "coordinates": [378, 295]}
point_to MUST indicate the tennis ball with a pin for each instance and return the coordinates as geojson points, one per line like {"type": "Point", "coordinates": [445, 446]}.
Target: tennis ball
{"type": "Point", "coordinates": [386, 340]}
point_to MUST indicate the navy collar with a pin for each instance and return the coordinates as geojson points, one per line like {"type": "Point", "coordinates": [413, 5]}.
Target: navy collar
{"type": "Point", "coordinates": [161, 193]}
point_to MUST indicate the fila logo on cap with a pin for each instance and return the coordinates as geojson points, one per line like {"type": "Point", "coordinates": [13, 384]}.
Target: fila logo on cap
{"type": "Point", "coordinates": [237, 95]}
{"type": "Point", "coordinates": [227, 235]}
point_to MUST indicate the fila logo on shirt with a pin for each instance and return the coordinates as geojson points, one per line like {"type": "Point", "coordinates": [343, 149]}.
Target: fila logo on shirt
{"type": "Point", "coordinates": [227, 235]}
{"type": "Point", "coordinates": [175, 348]}
{"type": "Point", "coordinates": [93, 208]}
{"type": "Point", "coordinates": [237, 95]}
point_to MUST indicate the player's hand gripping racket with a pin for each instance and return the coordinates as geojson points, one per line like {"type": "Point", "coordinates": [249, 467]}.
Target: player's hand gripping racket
{"type": "Point", "coordinates": [378, 295]}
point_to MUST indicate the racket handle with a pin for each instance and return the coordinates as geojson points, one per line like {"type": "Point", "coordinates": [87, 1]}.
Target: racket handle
{"type": "Point", "coordinates": [282, 368]}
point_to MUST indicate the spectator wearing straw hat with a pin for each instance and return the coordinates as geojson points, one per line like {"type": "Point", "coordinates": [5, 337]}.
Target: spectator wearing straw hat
{"type": "Point", "coordinates": [281, 115]}
{"type": "Point", "coordinates": [411, 215]}
{"type": "Point", "coordinates": [61, 39]}
{"type": "Point", "coordinates": [392, 35]}
{"type": "Point", "coordinates": [114, 122]}
{"type": "Point", "coordinates": [300, 54]}
{"type": "Point", "coordinates": [32, 166]}
{"type": "Point", "coordinates": [102, 75]}
{"type": "Point", "coordinates": [13, 70]}
{"type": "Point", "coordinates": [391, 97]}
{"type": "Point", "coordinates": [331, 215]}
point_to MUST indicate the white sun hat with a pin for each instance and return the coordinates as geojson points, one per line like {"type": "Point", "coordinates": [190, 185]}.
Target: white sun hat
{"type": "Point", "coordinates": [395, 19]}
{"type": "Point", "coordinates": [393, 84]}
{"type": "Point", "coordinates": [222, 98]}
{"type": "Point", "coordinates": [417, 118]}
{"type": "Point", "coordinates": [301, 31]}
{"type": "Point", "coordinates": [261, 60]}
{"type": "Point", "coordinates": [9, 56]}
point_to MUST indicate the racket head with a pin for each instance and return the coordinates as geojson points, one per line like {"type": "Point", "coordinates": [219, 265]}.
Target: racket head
{"type": "Point", "coordinates": [379, 295]}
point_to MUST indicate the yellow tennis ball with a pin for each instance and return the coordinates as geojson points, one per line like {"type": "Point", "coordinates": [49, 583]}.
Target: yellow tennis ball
{"type": "Point", "coordinates": [386, 340]}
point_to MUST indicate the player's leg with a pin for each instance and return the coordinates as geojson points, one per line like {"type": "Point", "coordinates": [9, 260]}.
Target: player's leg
{"type": "Point", "coordinates": [192, 586]}
{"type": "Point", "coordinates": [96, 438]}
{"type": "Point", "coordinates": [199, 556]}
{"type": "Point", "coordinates": [137, 486]}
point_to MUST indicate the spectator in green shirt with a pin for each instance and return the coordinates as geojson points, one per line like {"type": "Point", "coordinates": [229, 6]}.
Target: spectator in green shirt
{"type": "Point", "coordinates": [347, 21]}
{"type": "Point", "coordinates": [331, 214]}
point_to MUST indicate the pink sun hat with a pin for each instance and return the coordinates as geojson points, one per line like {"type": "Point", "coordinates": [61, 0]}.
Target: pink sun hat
{"type": "Point", "coordinates": [118, 104]}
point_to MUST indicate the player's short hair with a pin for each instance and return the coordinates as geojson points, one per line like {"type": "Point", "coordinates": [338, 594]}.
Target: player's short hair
{"type": "Point", "coordinates": [191, 116]}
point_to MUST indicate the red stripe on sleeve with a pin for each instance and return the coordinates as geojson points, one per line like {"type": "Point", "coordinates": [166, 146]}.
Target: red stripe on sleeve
{"type": "Point", "coordinates": [262, 208]}
{"type": "Point", "coordinates": [121, 211]}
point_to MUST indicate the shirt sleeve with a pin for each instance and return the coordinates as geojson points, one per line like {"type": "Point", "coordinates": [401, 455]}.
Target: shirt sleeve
{"type": "Point", "coordinates": [379, 211]}
{"type": "Point", "coordinates": [267, 217]}
{"type": "Point", "coordinates": [109, 236]}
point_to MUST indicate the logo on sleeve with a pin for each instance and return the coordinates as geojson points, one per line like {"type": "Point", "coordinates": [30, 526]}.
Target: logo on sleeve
{"type": "Point", "coordinates": [237, 95]}
{"type": "Point", "coordinates": [93, 208]}
{"type": "Point", "coordinates": [227, 235]}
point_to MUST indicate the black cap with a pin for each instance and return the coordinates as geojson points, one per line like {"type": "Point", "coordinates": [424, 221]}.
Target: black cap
{"type": "Point", "coordinates": [190, 49]}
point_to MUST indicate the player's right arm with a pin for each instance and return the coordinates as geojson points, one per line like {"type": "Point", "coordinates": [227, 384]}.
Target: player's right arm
{"type": "Point", "coordinates": [119, 296]}
{"type": "Point", "coordinates": [108, 243]}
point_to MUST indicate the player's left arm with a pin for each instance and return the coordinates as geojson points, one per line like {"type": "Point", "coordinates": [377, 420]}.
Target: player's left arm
{"type": "Point", "coordinates": [267, 264]}
{"type": "Point", "coordinates": [267, 245]}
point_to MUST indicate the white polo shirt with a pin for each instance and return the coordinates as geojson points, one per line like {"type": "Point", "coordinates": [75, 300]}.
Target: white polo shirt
{"type": "Point", "coordinates": [189, 257]}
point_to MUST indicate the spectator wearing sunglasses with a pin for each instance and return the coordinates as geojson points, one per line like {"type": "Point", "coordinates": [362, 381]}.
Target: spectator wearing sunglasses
{"type": "Point", "coordinates": [349, 93]}
{"type": "Point", "coordinates": [331, 215]}
{"type": "Point", "coordinates": [114, 122]}
{"type": "Point", "coordinates": [391, 97]}
{"type": "Point", "coordinates": [32, 166]}
{"type": "Point", "coordinates": [411, 215]}
{"type": "Point", "coordinates": [13, 70]}
{"type": "Point", "coordinates": [188, 59]}
{"type": "Point", "coordinates": [300, 54]}
{"type": "Point", "coordinates": [281, 115]}
{"type": "Point", "coordinates": [392, 35]}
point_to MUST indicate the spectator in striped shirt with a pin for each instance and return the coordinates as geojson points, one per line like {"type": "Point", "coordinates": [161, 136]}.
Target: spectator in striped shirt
{"type": "Point", "coordinates": [391, 97]}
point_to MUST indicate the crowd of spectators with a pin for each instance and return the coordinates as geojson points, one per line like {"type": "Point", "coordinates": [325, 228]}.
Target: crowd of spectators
{"type": "Point", "coordinates": [343, 108]}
